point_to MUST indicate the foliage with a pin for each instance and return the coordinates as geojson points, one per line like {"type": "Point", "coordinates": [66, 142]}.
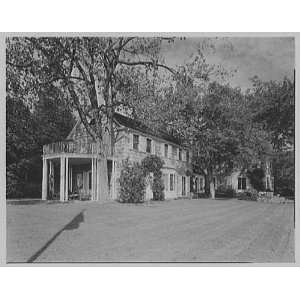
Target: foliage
{"type": "Point", "coordinates": [256, 177]}
{"type": "Point", "coordinates": [132, 183]}
{"type": "Point", "coordinates": [26, 131]}
{"type": "Point", "coordinates": [251, 195]}
{"type": "Point", "coordinates": [284, 173]}
{"type": "Point", "coordinates": [273, 106]}
{"type": "Point", "coordinates": [158, 188]}
{"type": "Point", "coordinates": [225, 191]}
{"type": "Point", "coordinates": [153, 164]}
{"type": "Point", "coordinates": [92, 74]}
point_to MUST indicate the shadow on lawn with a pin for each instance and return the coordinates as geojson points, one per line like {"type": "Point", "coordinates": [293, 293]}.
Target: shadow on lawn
{"type": "Point", "coordinates": [73, 224]}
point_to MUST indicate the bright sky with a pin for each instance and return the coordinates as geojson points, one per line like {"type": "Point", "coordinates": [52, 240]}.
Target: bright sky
{"type": "Point", "coordinates": [270, 58]}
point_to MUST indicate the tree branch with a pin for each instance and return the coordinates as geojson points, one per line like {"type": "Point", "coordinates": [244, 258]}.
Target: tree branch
{"type": "Point", "coordinates": [146, 63]}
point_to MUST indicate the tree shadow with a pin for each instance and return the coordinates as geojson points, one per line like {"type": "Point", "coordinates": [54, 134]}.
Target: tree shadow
{"type": "Point", "coordinates": [73, 224]}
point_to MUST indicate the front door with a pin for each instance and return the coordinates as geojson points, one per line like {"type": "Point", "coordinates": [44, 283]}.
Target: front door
{"type": "Point", "coordinates": [183, 185]}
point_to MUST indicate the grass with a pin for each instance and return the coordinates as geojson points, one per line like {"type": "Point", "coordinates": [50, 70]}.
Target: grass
{"type": "Point", "coordinates": [198, 230]}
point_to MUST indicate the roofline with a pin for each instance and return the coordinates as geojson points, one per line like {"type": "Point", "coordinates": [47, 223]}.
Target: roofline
{"type": "Point", "coordinates": [74, 128]}
{"type": "Point", "coordinates": [137, 131]}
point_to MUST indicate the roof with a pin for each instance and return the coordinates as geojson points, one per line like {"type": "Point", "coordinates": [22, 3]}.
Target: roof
{"type": "Point", "coordinates": [139, 126]}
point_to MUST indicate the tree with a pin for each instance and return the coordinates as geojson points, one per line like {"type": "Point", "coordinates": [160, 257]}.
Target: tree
{"type": "Point", "coordinates": [272, 106]}
{"type": "Point", "coordinates": [200, 113]}
{"type": "Point", "coordinates": [90, 71]}
{"type": "Point", "coordinates": [35, 115]}
{"type": "Point", "coordinates": [21, 145]}
{"type": "Point", "coordinates": [53, 116]}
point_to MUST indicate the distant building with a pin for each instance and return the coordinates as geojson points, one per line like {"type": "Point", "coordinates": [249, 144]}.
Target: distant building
{"type": "Point", "coordinates": [239, 181]}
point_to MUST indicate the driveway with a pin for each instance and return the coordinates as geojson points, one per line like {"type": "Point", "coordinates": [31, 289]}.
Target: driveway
{"type": "Point", "coordinates": [198, 230]}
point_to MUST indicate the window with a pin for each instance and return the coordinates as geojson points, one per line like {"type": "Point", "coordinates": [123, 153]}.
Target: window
{"type": "Point", "coordinates": [135, 142]}
{"type": "Point", "coordinates": [196, 184]}
{"type": "Point", "coordinates": [201, 184]}
{"type": "Point", "coordinates": [241, 183]}
{"type": "Point", "coordinates": [148, 146]}
{"type": "Point", "coordinates": [187, 156]}
{"type": "Point", "coordinates": [157, 149]}
{"type": "Point", "coordinates": [172, 182]}
{"type": "Point", "coordinates": [166, 150]}
{"type": "Point", "coordinates": [180, 154]}
{"type": "Point", "coordinates": [174, 151]}
{"type": "Point", "coordinates": [165, 177]}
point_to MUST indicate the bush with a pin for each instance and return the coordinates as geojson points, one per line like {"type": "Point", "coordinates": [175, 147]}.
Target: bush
{"type": "Point", "coordinates": [256, 177]}
{"type": "Point", "coordinates": [225, 191]}
{"type": "Point", "coordinates": [132, 183]}
{"type": "Point", "coordinates": [158, 188]}
{"type": "Point", "coordinates": [250, 195]}
{"type": "Point", "coordinates": [153, 164]}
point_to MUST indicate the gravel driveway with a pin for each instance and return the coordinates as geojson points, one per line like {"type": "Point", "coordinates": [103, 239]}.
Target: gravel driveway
{"type": "Point", "coordinates": [198, 230]}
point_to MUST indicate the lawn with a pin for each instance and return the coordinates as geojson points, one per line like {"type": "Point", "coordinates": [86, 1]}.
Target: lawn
{"type": "Point", "coordinates": [199, 230]}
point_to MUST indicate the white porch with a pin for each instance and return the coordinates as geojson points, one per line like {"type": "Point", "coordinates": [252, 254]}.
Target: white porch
{"type": "Point", "coordinates": [69, 175]}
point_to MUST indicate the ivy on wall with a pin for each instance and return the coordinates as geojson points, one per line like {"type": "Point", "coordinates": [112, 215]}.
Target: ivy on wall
{"type": "Point", "coordinates": [153, 164]}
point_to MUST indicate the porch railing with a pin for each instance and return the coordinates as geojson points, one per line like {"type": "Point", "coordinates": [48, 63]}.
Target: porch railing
{"type": "Point", "coordinates": [75, 147]}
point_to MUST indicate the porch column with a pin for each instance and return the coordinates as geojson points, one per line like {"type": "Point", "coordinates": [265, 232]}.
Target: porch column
{"type": "Point", "coordinates": [51, 179]}
{"type": "Point", "coordinates": [45, 179]}
{"type": "Point", "coordinates": [113, 195]}
{"type": "Point", "coordinates": [93, 180]}
{"type": "Point", "coordinates": [62, 179]}
{"type": "Point", "coordinates": [71, 179]}
{"type": "Point", "coordinates": [67, 179]}
{"type": "Point", "coordinates": [98, 195]}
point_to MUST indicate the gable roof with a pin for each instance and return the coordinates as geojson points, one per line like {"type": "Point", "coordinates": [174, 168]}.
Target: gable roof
{"type": "Point", "coordinates": [139, 126]}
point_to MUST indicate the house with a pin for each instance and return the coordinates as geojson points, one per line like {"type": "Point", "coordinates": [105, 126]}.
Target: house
{"type": "Point", "coordinates": [239, 181]}
{"type": "Point", "coordinates": [74, 168]}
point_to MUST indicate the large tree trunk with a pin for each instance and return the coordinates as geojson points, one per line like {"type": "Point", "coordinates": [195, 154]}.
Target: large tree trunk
{"type": "Point", "coordinates": [103, 195]}
{"type": "Point", "coordinates": [212, 190]}
{"type": "Point", "coordinates": [206, 185]}
{"type": "Point", "coordinates": [211, 184]}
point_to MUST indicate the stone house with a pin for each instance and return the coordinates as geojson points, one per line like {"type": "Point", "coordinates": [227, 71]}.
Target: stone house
{"type": "Point", "coordinates": [72, 169]}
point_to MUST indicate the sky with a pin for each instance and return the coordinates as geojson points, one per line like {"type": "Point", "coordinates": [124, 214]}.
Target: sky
{"type": "Point", "coordinates": [269, 58]}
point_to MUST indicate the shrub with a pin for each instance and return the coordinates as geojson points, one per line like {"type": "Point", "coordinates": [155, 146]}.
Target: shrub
{"type": "Point", "coordinates": [225, 191]}
{"type": "Point", "coordinates": [256, 177]}
{"type": "Point", "coordinates": [250, 195]}
{"type": "Point", "coordinates": [132, 183]}
{"type": "Point", "coordinates": [158, 188]}
{"type": "Point", "coordinates": [153, 164]}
